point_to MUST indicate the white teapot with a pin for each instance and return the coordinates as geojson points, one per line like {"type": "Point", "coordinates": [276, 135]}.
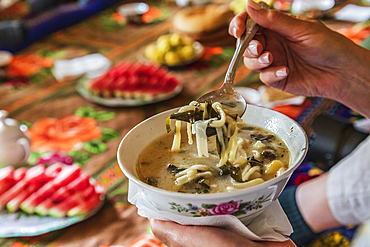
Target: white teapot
{"type": "Point", "coordinates": [15, 145]}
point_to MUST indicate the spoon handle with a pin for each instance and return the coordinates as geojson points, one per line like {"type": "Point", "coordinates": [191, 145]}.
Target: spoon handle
{"type": "Point", "coordinates": [250, 30]}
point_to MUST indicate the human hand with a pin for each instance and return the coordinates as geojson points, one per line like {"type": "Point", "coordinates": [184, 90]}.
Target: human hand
{"type": "Point", "coordinates": [304, 57]}
{"type": "Point", "coordinates": [175, 235]}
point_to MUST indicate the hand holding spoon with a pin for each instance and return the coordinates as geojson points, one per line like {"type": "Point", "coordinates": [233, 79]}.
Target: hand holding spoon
{"type": "Point", "coordinates": [226, 94]}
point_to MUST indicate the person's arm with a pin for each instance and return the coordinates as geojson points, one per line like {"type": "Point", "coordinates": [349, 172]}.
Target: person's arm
{"type": "Point", "coordinates": [312, 201]}
{"type": "Point", "coordinates": [307, 58]}
{"type": "Point", "coordinates": [338, 197]}
{"type": "Point", "coordinates": [175, 235]}
{"type": "Point", "coordinates": [307, 209]}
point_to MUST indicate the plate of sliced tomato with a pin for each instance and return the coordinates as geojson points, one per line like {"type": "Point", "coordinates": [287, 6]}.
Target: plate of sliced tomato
{"type": "Point", "coordinates": [42, 199]}
{"type": "Point", "coordinates": [130, 84]}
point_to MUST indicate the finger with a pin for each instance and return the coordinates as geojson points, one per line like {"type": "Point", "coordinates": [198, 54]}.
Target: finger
{"type": "Point", "coordinates": [160, 230]}
{"type": "Point", "coordinates": [261, 38]}
{"type": "Point", "coordinates": [237, 25]}
{"type": "Point", "coordinates": [253, 50]}
{"type": "Point", "coordinates": [259, 63]}
{"type": "Point", "coordinates": [175, 235]}
{"type": "Point", "coordinates": [274, 76]}
{"type": "Point", "coordinates": [284, 24]}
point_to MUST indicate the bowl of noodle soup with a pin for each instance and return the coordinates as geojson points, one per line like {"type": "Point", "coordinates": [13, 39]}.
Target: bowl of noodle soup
{"type": "Point", "coordinates": [244, 202]}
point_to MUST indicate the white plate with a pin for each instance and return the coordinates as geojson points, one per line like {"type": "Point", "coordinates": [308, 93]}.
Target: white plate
{"type": "Point", "coordinates": [115, 102]}
{"type": "Point", "coordinates": [22, 225]}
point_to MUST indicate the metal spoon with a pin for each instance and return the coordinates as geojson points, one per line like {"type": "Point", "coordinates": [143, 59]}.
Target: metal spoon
{"type": "Point", "coordinates": [226, 94]}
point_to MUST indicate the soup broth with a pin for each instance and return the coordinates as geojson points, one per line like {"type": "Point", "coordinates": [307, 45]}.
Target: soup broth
{"type": "Point", "coordinates": [257, 157]}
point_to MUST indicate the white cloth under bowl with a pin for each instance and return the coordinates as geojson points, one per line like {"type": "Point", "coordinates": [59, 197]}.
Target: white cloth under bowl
{"type": "Point", "coordinates": [272, 224]}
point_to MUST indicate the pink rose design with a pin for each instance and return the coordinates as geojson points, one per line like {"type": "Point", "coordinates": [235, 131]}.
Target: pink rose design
{"type": "Point", "coordinates": [225, 208]}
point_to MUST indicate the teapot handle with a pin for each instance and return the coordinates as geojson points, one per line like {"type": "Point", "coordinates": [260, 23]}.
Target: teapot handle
{"type": "Point", "coordinates": [26, 146]}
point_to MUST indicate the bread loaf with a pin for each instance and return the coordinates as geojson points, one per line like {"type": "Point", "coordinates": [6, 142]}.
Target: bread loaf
{"type": "Point", "coordinates": [202, 18]}
{"type": "Point", "coordinates": [207, 24]}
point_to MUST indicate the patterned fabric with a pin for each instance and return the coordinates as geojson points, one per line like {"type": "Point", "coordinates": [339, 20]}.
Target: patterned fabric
{"type": "Point", "coordinates": [341, 236]}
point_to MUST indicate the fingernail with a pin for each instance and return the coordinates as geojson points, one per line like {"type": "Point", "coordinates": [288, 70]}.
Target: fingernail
{"type": "Point", "coordinates": [252, 48]}
{"type": "Point", "coordinates": [265, 58]}
{"type": "Point", "coordinates": [254, 5]}
{"type": "Point", "coordinates": [281, 72]}
{"type": "Point", "coordinates": [234, 31]}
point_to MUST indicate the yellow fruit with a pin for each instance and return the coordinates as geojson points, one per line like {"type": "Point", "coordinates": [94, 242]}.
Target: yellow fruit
{"type": "Point", "coordinates": [165, 37]}
{"type": "Point", "coordinates": [187, 41]}
{"type": "Point", "coordinates": [232, 4]}
{"type": "Point", "coordinates": [175, 40]}
{"type": "Point", "coordinates": [171, 58]}
{"type": "Point", "coordinates": [159, 58]}
{"type": "Point", "coordinates": [177, 49]}
{"type": "Point", "coordinates": [187, 52]}
{"type": "Point", "coordinates": [237, 6]}
{"type": "Point", "coordinates": [163, 46]}
{"type": "Point", "coordinates": [151, 51]}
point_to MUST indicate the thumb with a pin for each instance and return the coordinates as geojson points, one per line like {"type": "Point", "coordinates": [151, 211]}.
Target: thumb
{"type": "Point", "coordinates": [281, 23]}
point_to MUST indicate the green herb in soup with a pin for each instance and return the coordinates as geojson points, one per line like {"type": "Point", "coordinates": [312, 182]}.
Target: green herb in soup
{"type": "Point", "coordinates": [232, 156]}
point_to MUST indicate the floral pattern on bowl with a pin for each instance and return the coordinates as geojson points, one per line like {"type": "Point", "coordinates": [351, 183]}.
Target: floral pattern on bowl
{"type": "Point", "coordinates": [232, 207]}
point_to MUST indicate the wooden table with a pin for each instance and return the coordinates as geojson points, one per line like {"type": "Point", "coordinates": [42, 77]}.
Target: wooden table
{"type": "Point", "coordinates": [117, 222]}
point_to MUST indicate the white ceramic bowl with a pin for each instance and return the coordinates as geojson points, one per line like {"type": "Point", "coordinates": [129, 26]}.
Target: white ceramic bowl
{"type": "Point", "coordinates": [243, 203]}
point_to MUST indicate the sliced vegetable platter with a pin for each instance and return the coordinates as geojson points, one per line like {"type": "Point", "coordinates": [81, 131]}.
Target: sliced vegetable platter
{"type": "Point", "coordinates": [23, 225]}
{"type": "Point", "coordinates": [42, 199]}
{"type": "Point", "coordinates": [130, 84]}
